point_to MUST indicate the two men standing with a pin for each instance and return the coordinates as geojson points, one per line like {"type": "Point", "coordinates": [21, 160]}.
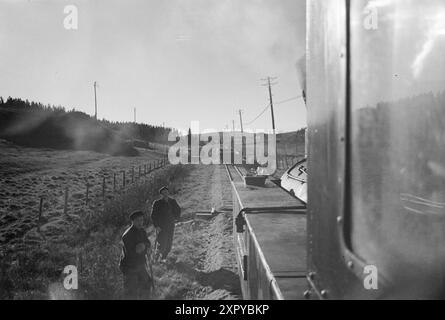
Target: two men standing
{"type": "Point", "coordinates": [135, 262]}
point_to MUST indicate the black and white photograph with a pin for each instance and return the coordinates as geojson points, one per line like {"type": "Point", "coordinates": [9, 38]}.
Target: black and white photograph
{"type": "Point", "coordinates": [222, 150]}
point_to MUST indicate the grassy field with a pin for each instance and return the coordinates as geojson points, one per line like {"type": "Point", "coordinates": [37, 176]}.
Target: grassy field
{"type": "Point", "coordinates": [32, 250]}
{"type": "Point", "coordinates": [26, 174]}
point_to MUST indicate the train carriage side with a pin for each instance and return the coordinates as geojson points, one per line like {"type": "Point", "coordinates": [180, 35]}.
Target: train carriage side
{"type": "Point", "coordinates": [270, 240]}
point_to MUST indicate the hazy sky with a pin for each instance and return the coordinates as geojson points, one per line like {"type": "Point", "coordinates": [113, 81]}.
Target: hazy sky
{"type": "Point", "coordinates": [174, 60]}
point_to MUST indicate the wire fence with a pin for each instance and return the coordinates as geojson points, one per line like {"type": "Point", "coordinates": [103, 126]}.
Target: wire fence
{"type": "Point", "coordinates": [98, 191]}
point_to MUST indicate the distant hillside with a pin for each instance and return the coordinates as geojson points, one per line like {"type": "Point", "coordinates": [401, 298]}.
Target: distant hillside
{"type": "Point", "coordinates": [288, 143]}
{"type": "Point", "coordinates": [291, 143]}
{"type": "Point", "coordinates": [35, 125]}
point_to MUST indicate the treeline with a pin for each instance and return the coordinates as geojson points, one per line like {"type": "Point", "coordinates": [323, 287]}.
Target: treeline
{"type": "Point", "coordinates": [34, 124]}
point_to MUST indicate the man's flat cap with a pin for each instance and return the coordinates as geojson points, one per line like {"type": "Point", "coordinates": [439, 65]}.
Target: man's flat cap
{"type": "Point", "coordinates": [162, 189]}
{"type": "Point", "coordinates": [136, 214]}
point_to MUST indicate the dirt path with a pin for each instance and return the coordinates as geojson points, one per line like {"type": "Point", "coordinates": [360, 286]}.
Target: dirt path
{"type": "Point", "coordinates": [202, 264]}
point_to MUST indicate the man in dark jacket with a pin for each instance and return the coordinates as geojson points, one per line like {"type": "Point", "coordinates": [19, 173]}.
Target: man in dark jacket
{"type": "Point", "coordinates": [164, 213]}
{"type": "Point", "coordinates": [134, 264]}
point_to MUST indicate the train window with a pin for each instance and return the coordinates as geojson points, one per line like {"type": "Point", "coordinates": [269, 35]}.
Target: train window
{"type": "Point", "coordinates": [398, 134]}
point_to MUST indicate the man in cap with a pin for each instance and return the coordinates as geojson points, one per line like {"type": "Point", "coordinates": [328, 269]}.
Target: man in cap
{"type": "Point", "coordinates": [133, 264]}
{"type": "Point", "coordinates": [165, 212]}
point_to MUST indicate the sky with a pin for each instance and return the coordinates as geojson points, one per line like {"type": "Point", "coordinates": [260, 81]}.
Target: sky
{"type": "Point", "coordinates": [175, 61]}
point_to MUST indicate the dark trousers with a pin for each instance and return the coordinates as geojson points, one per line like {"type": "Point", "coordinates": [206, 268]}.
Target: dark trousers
{"type": "Point", "coordinates": [137, 283]}
{"type": "Point", "coordinates": [165, 239]}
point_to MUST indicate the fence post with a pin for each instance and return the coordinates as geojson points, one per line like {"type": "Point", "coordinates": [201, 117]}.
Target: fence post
{"type": "Point", "coordinates": [87, 194]}
{"type": "Point", "coordinates": [79, 261]}
{"type": "Point", "coordinates": [65, 206]}
{"type": "Point", "coordinates": [139, 172]}
{"type": "Point", "coordinates": [40, 211]}
{"type": "Point", "coordinates": [132, 174]}
{"type": "Point", "coordinates": [103, 187]}
{"type": "Point", "coordinates": [114, 181]}
{"type": "Point", "coordinates": [150, 168]}
{"type": "Point", "coordinates": [123, 178]}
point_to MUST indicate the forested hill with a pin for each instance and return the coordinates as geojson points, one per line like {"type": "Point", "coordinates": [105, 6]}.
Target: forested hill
{"type": "Point", "coordinates": [34, 124]}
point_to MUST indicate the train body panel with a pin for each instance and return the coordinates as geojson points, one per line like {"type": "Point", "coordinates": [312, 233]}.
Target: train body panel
{"type": "Point", "coordinates": [270, 241]}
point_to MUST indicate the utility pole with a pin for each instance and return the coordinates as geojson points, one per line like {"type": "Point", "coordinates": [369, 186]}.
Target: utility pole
{"type": "Point", "coordinates": [241, 120]}
{"type": "Point", "coordinates": [233, 125]}
{"type": "Point", "coordinates": [95, 101]}
{"type": "Point", "coordinates": [134, 112]}
{"type": "Point", "coordinates": [269, 84]}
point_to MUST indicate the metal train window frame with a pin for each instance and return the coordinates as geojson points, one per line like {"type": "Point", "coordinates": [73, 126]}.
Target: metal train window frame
{"type": "Point", "coordinates": [344, 221]}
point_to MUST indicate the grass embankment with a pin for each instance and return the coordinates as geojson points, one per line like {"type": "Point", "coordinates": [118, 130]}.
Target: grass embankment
{"type": "Point", "coordinates": [91, 242]}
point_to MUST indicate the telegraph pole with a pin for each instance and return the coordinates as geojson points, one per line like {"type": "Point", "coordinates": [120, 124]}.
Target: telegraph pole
{"type": "Point", "coordinates": [269, 85]}
{"type": "Point", "coordinates": [95, 101]}
{"type": "Point", "coordinates": [134, 112]}
{"type": "Point", "coordinates": [233, 125]}
{"type": "Point", "coordinates": [241, 120]}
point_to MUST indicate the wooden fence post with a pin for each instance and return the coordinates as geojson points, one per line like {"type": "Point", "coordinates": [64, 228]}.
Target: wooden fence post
{"type": "Point", "coordinates": [40, 211]}
{"type": "Point", "coordinates": [79, 262]}
{"type": "Point", "coordinates": [87, 194]}
{"type": "Point", "coordinates": [65, 206]}
{"type": "Point", "coordinates": [103, 187]}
